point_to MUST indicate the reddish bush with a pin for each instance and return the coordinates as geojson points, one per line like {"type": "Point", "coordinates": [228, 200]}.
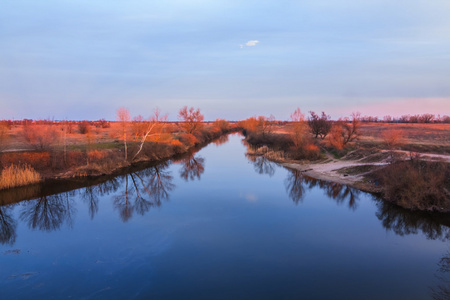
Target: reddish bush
{"type": "Point", "coordinates": [188, 139]}
{"type": "Point", "coordinates": [37, 160]}
{"type": "Point", "coordinates": [97, 155]}
{"type": "Point", "coordinates": [417, 184]}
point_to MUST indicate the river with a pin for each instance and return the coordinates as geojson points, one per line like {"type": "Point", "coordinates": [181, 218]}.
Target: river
{"type": "Point", "coordinates": [219, 224]}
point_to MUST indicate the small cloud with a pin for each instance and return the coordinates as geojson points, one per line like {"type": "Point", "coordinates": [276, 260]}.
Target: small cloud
{"type": "Point", "coordinates": [251, 198]}
{"type": "Point", "coordinates": [251, 43]}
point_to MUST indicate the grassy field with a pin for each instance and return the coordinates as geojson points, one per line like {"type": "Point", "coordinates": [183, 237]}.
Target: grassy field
{"type": "Point", "coordinates": [56, 150]}
{"type": "Point", "coordinates": [417, 137]}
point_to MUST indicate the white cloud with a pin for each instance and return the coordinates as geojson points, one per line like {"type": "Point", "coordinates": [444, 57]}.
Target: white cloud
{"type": "Point", "coordinates": [251, 197]}
{"type": "Point", "coordinates": [251, 43]}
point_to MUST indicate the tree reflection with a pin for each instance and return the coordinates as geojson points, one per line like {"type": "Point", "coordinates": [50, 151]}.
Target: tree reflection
{"type": "Point", "coordinates": [343, 193]}
{"type": "Point", "coordinates": [91, 193]}
{"type": "Point", "coordinates": [296, 184]}
{"type": "Point", "coordinates": [122, 202]}
{"type": "Point", "coordinates": [442, 290]}
{"type": "Point", "coordinates": [159, 183]}
{"type": "Point", "coordinates": [7, 226]}
{"type": "Point", "coordinates": [192, 168]}
{"type": "Point", "coordinates": [143, 190]}
{"type": "Point", "coordinates": [49, 212]}
{"type": "Point", "coordinates": [221, 140]}
{"type": "Point", "coordinates": [405, 222]}
{"type": "Point", "coordinates": [261, 164]}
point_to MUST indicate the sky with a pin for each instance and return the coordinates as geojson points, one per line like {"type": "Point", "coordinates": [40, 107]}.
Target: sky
{"type": "Point", "coordinates": [66, 59]}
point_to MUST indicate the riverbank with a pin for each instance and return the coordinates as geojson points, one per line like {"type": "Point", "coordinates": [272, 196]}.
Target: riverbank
{"type": "Point", "coordinates": [381, 172]}
{"type": "Point", "coordinates": [107, 158]}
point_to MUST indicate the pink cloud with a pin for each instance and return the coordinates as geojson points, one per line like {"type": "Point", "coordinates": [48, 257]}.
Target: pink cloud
{"type": "Point", "coordinates": [398, 107]}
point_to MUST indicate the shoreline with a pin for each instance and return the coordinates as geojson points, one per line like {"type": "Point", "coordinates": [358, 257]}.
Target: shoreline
{"type": "Point", "coordinates": [348, 172]}
{"type": "Point", "coordinates": [94, 173]}
{"type": "Point", "coordinates": [330, 175]}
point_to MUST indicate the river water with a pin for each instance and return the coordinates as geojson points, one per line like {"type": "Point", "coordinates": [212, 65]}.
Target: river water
{"type": "Point", "coordinates": [219, 224]}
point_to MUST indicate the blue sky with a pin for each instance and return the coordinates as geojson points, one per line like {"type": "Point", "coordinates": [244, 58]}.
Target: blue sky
{"type": "Point", "coordinates": [233, 59]}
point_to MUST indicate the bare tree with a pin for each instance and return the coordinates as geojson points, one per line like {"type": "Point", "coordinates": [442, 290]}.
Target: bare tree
{"type": "Point", "coordinates": [191, 119]}
{"type": "Point", "coordinates": [426, 118]}
{"type": "Point", "coordinates": [298, 130]}
{"type": "Point", "coordinates": [265, 124]}
{"type": "Point", "coordinates": [320, 126]}
{"type": "Point", "coordinates": [41, 137]}
{"type": "Point", "coordinates": [123, 116]}
{"type": "Point", "coordinates": [345, 131]}
{"type": "Point", "coordinates": [351, 129]}
{"type": "Point", "coordinates": [154, 127]}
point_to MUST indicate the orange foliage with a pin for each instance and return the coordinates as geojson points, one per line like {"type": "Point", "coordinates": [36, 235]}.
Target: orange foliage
{"type": "Point", "coordinates": [334, 138]}
{"type": "Point", "coordinates": [37, 160]}
{"type": "Point", "coordinates": [188, 139]}
{"type": "Point", "coordinates": [176, 143]}
{"type": "Point", "coordinates": [250, 124]}
{"type": "Point", "coordinates": [392, 137]}
{"type": "Point", "coordinates": [75, 159]}
{"type": "Point", "coordinates": [312, 147]}
{"type": "Point", "coordinates": [221, 125]}
{"type": "Point", "coordinates": [96, 155]}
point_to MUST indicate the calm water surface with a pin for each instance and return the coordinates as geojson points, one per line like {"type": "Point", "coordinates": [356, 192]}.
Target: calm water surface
{"type": "Point", "coordinates": [220, 225]}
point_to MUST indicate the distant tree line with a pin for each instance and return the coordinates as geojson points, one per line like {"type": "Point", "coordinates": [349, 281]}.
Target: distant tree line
{"type": "Point", "coordinates": [102, 123]}
{"type": "Point", "coordinates": [423, 118]}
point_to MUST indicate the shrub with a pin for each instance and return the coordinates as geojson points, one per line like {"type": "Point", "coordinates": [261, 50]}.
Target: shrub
{"type": "Point", "coordinates": [83, 127]}
{"type": "Point", "coordinates": [417, 184]}
{"type": "Point", "coordinates": [96, 155]}
{"type": "Point", "coordinates": [41, 137]}
{"type": "Point", "coordinates": [14, 176]}
{"type": "Point", "coordinates": [36, 160]}
{"type": "Point", "coordinates": [188, 139]}
{"type": "Point", "coordinates": [392, 137]}
{"type": "Point", "coordinates": [221, 125]}
{"type": "Point", "coordinates": [320, 125]}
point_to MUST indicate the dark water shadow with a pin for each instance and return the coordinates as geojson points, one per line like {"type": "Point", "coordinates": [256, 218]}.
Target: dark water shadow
{"type": "Point", "coordinates": [8, 226]}
{"type": "Point", "coordinates": [441, 291]}
{"type": "Point", "coordinates": [435, 226]}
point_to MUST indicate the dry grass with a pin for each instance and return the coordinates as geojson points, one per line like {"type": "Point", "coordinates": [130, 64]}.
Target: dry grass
{"type": "Point", "coordinates": [14, 176]}
{"type": "Point", "coordinates": [435, 136]}
{"type": "Point", "coordinates": [424, 137]}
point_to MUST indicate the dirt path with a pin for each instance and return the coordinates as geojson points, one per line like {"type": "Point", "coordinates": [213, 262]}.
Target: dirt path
{"type": "Point", "coordinates": [328, 170]}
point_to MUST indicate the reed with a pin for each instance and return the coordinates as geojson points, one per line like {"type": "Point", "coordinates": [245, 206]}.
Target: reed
{"type": "Point", "coordinates": [14, 176]}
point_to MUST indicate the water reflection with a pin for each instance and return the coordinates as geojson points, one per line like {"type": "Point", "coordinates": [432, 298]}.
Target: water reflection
{"type": "Point", "coordinates": [442, 290]}
{"type": "Point", "coordinates": [144, 189]}
{"type": "Point", "coordinates": [91, 193]}
{"type": "Point", "coordinates": [193, 167]}
{"type": "Point", "coordinates": [295, 187]}
{"type": "Point", "coordinates": [48, 213]}
{"type": "Point", "coordinates": [296, 184]}
{"type": "Point", "coordinates": [404, 222]}
{"type": "Point", "coordinates": [222, 140]}
{"type": "Point", "coordinates": [261, 164]}
{"type": "Point", "coordinates": [7, 226]}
